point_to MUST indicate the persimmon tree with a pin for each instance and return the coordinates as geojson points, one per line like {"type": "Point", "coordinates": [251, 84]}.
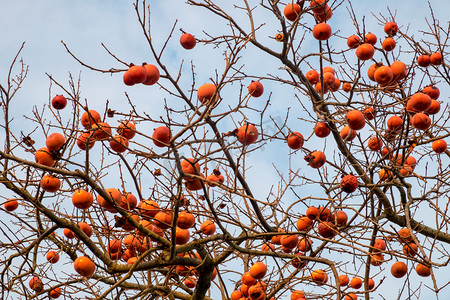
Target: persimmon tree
{"type": "Point", "coordinates": [233, 192]}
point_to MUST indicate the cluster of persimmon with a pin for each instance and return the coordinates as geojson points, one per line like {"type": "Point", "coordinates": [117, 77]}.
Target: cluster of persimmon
{"type": "Point", "coordinates": [146, 74]}
{"type": "Point", "coordinates": [325, 83]}
{"type": "Point", "coordinates": [133, 242]}
{"type": "Point", "coordinates": [252, 286]}
{"type": "Point", "coordinates": [409, 248]}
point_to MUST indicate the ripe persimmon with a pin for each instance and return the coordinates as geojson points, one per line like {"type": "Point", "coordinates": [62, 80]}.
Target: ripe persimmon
{"type": "Point", "coordinates": [324, 213]}
{"type": "Point", "coordinates": [410, 249]}
{"type": "Point", "coordinates": [127, 129]}
{"type": "Point", "coordinates": [399, 269]}
{"type": "Point", "coordinates": [349, 183]}
{"type": "Point", "coordinates": [86, 228]}
{"type": "Point", "coordinates": [346, 87]}
{"type": "Point", "coordinates": [388, 44]}
{"type": "Point", "coordinates": [205, 92]}
{"type": "Point", "coordinates": [353, 41]}
{"type": "Point", "coordinates": [405, 235]}
{"type": "Point", "coordinates": [385, 175]}
{"type": "Point", "coordinates": [132, 242]}
{"type": "Point", "coordinates": [318, 6]}
{"type": "Point", "coordinates": [134, 75]}
{"type": "Point", "coordinates": [114, 246]}
{"type": "Point", "coordinates": [50, 183]}
{"type": "Point", "coordinates": [347, 134]}
{"type": "Point", "coordinates": [365, 51]}
{"type": "Point", "coordinates": [312, 212]}
{"type": "Point", "coordinates": [44, 157]}
{"type": "Point", "coordinates": [289, 241]}
{"type": "Point", "coordinates": [161, 136]}
{"type": "Point", "coordinates": [295, 140]}
{"type": "Point", "coordinates": [219, 178]}
{"type": "Point", "coordinates": [189, 167]}
{"type": "Point", "coordinates": [340, 218]}
{"type": "Point", "coordinates": [322, 129]}
{"type": "Point", "coordinates": [292, 11]}
{"type": "Point", "coordinates": [59, 102]}
{"type": "Point", "coordinates": [383, 75]}
{"type": "Point", "coordinates": [90, 117]}
{"type": "Point", "coordinates": [304, 224]}
{"type": "Point", "coordinates": [355, 120]}
{"type": "Point", "coordinates": [82, 199]}
{"type": "Point", "coordinates": [185, 220]}
{"type": "Point", "coordinates": [119, 143]}
{"type": "Point", "coordinates": [114, 194]}
{"type": "Point", "coordinates": [182, 236]}
{"type": "Point", "coordinates": [316, 159]}
{"type": "Point", "coordinates": [101, 131]}
{"type": "Point", "coordinates": [304, 244]}
{"type": "Point", "coordinates": [377, 259]}
{"type": "Point", "coordinates": [391, 28]}
{"type": "Point", "coordinates": [255, 89]}
{"type": "Point", "coordinates": [434, 108]}
{"type": "Point", "coordinates": [327, 229]}
{"type": "Point", "coordinates": [258, 270]}
{"type": "Point", "coordinates": [190, 282]}
{"type": "Point", "coordinates": [236, 295]}
{"type": "Point", "coordinates": [208, 227]}
{"type": "Point", "coordinates": [163, 220]}
{"type": "Point", "coordinates": [322, 31]}
{"type": "Point", "coordinates": [395, 123]}
{"type": "Point", "coordinates": [129, 201]}
{"type": "Point", "coordinates": [55, 141]}
{"type": "Point", "coordinates": [375, 143]}
{"type": "Point", "coordinates": [423, 270]}
{"type": "Point", "coordinates": [152, 74]}
{"type": "Point", "coordinates": [318, 88]}
{"type": "Point", "coordinates": [69, 233]}
{"type": "Point", "coordinates": [344, 280]}
{"type": "Point", "coordinates": [420, 101]}
{"type": "Point", "coordinates": [432, 91]}
{"type": "Point", "coordinates": [187, 41]}
{"type": "Point", "coordinates": [424, 60]}
{"type": "Point", "coordinates": [351, 296]}
{"type": "Point", "coordinates": [84, 266]}
{"type": "Point", "coordinates": [55, 292]}
{"type": "Point", "coordinates": [421, 121]}
{"type": "Point", "coordinates": [379, 245]}
{"type": "Point", "coordinates": [11, 204]}
{"type": "Point", "coordinates": [256, 292]}
{"type": "Point", "coordinates": [370, 38]}
{"type": "Point", "coordinates": [312, 76]}
{"type": "Point", "coordinates": [36, 284]}
{"type": "Point", "coordinates": [436, 58]}
{"type": "Point", "coordinates": [439, 146]}
{"type": "Point", "coordinates": [86, 141]}
{"type": "Point", "coordinates": [328, 69]}
{"type": "Point", "coordinates": [356, 283]}
{"type": "Point", "coordinates": [319, 277]}
{"type": "Point", "coordinates": [298, 295]}
{"type": "Point", "coordinates": [52, 256]}
{"type": "Point", "coordinates": [247, 134]}
{"type": "Point", "coordinates": [399, 69]}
